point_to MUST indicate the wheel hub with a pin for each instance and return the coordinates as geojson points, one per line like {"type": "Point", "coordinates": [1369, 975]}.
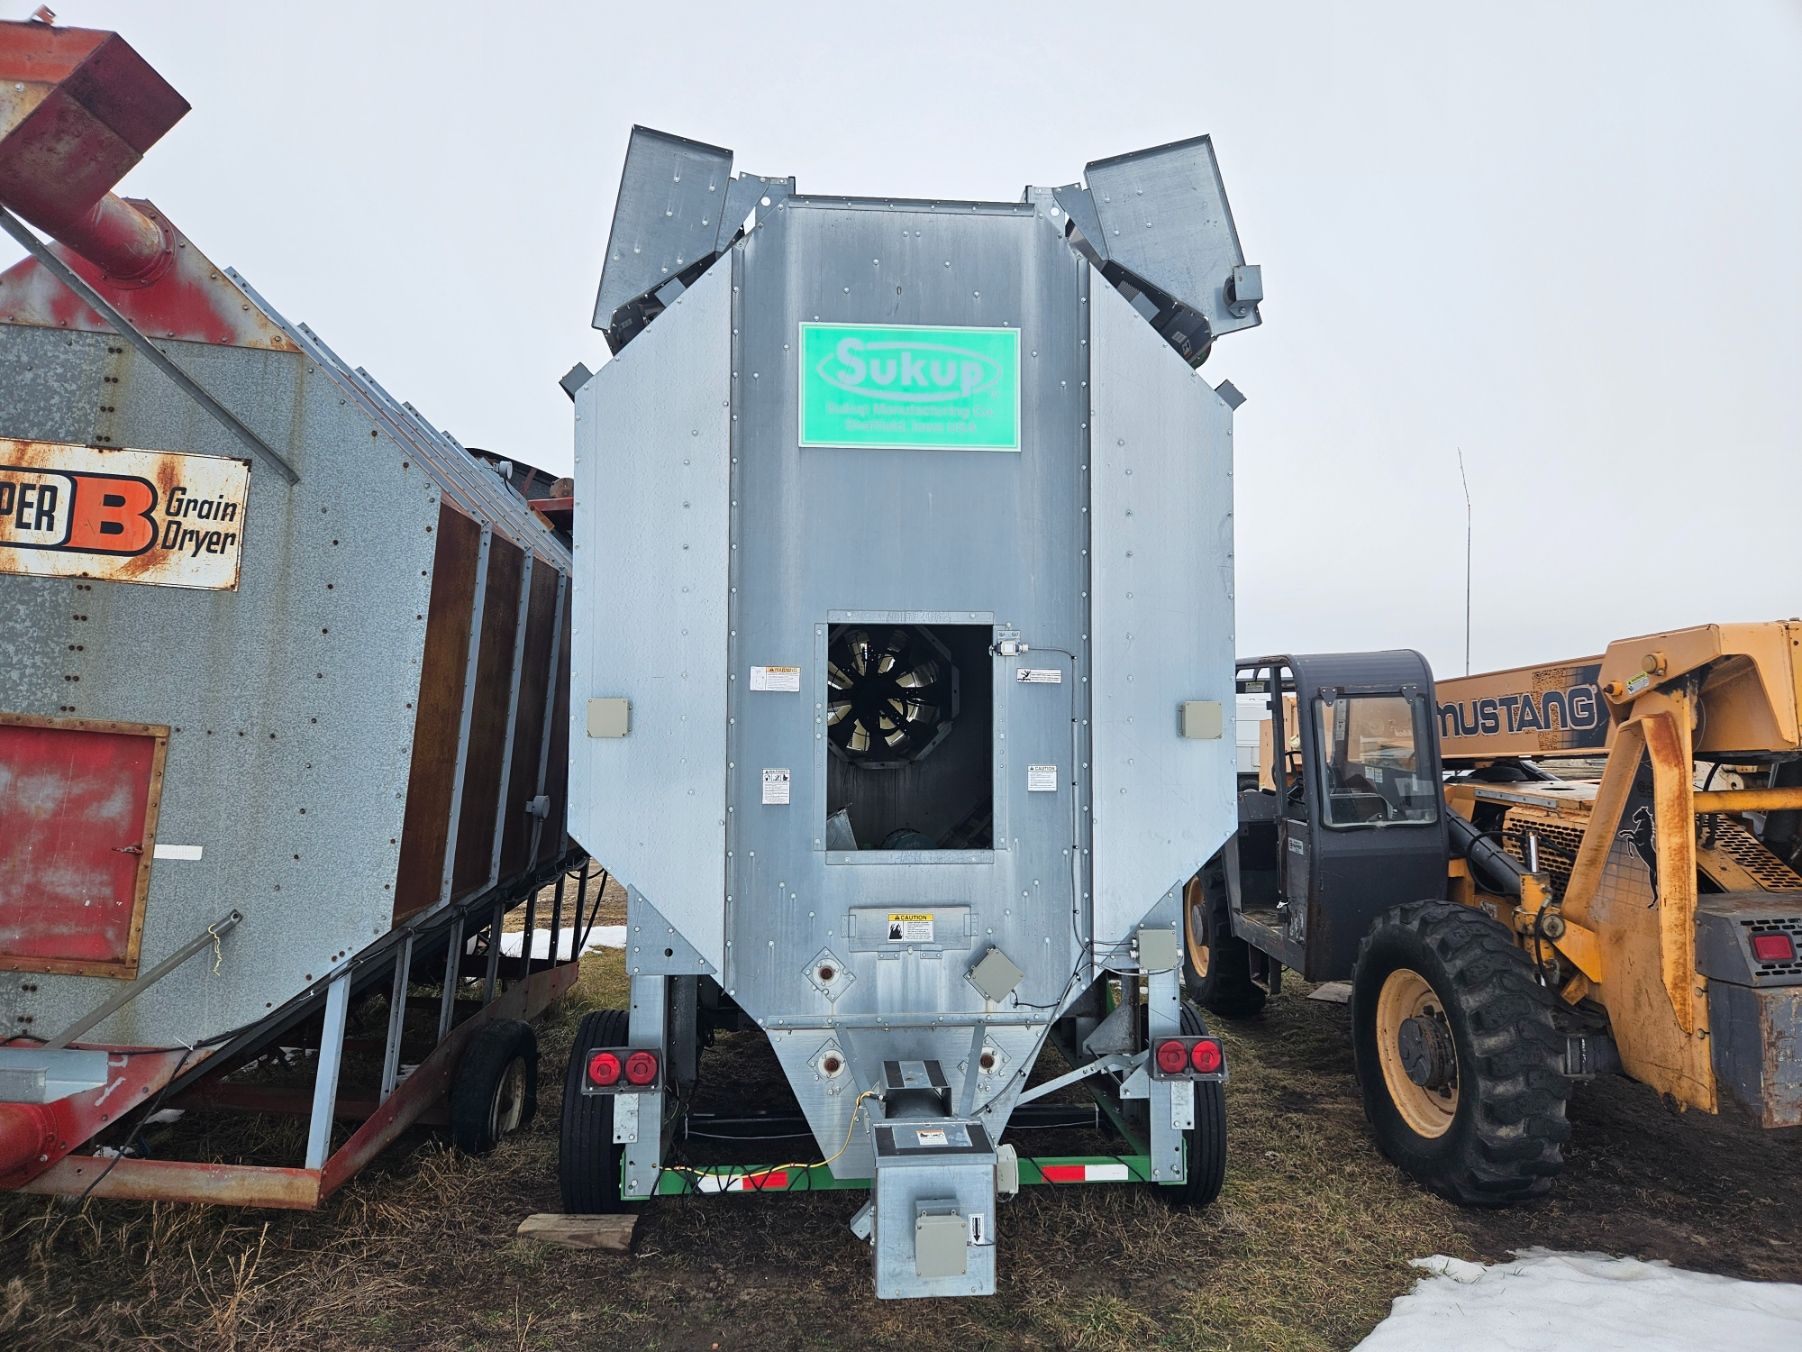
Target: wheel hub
{"type": "Point", "coordinates": [1425, 1046]}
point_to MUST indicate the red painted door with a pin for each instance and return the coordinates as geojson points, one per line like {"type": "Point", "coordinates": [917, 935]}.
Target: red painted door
{"type": "Point", "coordinates": [77, 823]}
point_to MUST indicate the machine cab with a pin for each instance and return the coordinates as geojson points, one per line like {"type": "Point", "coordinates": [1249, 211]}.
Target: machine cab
{"type": "Point", "coordinates": [1347, 818]}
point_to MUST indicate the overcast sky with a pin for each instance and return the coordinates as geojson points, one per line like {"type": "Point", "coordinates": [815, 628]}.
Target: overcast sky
{"type": "Point", "coordinates": [1564, 237]}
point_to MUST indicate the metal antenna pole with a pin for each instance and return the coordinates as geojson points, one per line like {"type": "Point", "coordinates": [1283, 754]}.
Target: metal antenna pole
{"type": "Point", "coordinates": [1466, 482]}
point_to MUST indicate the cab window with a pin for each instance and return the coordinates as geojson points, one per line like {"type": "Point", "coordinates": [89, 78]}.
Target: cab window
{"type": "Point", "coordinates": [1370, 762]}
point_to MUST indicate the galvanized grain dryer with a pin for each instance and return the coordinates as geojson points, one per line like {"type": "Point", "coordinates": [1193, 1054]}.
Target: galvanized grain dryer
{"type": "Point", "coordinates": [282, 702]}
{"type": "Point", "coordinates": [903, 660]}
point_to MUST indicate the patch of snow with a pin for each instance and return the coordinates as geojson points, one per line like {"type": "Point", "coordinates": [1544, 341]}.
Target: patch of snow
{"type": "Point", "coordinates": [601, 936]}
{"type": "Point", "coordinates": [1586, 1302]}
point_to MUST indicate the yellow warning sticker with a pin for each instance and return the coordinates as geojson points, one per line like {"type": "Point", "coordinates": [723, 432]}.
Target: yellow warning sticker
{"type": "Point", "coordinates": [910, 927]}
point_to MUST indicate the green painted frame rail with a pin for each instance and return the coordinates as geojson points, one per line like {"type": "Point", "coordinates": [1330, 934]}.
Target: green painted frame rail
{"type": "Point", "coordinates": [1050, 1169]}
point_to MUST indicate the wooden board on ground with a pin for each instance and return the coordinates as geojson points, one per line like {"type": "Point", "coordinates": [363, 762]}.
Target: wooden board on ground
{"type": "Point", "coordinates": [612, 1233]}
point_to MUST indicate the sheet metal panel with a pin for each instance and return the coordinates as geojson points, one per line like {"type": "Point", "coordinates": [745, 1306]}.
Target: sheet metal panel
{"type": "Point", "coordinates": [672, 199]}
{"type": "Point", "coordinates": [653, 445]}
{"type": "Point", "coordinates": [1161, 529]}
{"type": "Point", "coordinates": [1163, 213]}
{"type": "Point", "coordinates": [288, 747]}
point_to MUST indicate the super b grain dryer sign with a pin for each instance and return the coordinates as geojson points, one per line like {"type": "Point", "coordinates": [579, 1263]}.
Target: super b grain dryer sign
{"type": "Point", "coordinates": [120, 515]}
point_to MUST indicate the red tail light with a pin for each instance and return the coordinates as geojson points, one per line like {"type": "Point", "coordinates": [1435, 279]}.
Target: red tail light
{"type": "Point", "coordinates": [1205, 1056]}
{"type": "Point", "coordinates": [1773, 948]}
{"type": "Point", "coordinates": [641, 1068]}
{"type": "Point", "coordinates": [603, 1068]}
{"type": "Point", "coordinates": [1173, 1057]}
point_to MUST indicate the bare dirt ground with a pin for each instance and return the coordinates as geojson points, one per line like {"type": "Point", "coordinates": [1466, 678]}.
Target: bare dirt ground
{"type": "Point", "coordinates": [1305, 1249]}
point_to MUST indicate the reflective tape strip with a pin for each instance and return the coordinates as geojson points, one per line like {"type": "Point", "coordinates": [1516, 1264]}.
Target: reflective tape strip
{"type": "Point", "coordinates": [1085, 1173]}
{"type": "Point", "coordinates": [744, 1182]}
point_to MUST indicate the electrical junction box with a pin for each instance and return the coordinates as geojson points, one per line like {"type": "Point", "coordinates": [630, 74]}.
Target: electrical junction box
{"type": "Point", "coordinates": [1157, 949]}
{"type": "Point", "coordinates": [934, 1197]}
{"type": "Point", "coordinates": [941, 1240]}
{"type": "Point", "coordinates": [1204, 720]}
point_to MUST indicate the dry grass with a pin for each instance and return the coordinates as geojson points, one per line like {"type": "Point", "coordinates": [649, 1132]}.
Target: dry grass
{"type": "Point", "coordinates": [1304, 1250]}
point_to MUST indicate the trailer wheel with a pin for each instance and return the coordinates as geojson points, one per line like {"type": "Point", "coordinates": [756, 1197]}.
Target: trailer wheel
{"type": "Point", "coordinates": [587, 1158]}
{"type": "Point", "coordinates": [495, 1090]}
{"type": "Point", "coordinates": [1205, 1142]}
{"type": "Point", "coordinates": [1216, 963]}
{"type": "Point", "coordinates": [1458, 1057]}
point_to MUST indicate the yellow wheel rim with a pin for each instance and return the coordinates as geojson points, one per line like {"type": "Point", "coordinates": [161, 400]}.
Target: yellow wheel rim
{"type": "Point", "coordinates": [1195, 919]}
{"type": "Point", "coordinates": [1418, 1055]}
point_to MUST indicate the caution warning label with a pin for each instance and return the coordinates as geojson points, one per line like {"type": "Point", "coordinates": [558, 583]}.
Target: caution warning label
{"type": "Point", "coordinates": [910, 927]}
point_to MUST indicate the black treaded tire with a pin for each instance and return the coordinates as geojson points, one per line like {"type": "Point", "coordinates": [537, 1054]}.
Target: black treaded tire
{"type": "Point", "coordinates": [587, 1158]}
{"type": "Point", "coordinates": [1504, 1142]}
{"type": "Point", "coordinates": [495, 1089]}
{"type": "Point", "coordinates": [1205, 1142]}
{"type": "Point", "coordinates": [1225, 987]}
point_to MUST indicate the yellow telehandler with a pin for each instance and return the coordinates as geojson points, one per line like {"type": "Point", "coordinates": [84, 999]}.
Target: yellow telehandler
{"type": "Point", "coordinates": [1509, 928]}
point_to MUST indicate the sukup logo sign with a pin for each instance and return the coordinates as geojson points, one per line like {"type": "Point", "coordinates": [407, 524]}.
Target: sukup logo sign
{"type": "Point", "coordinates": [913, 388]}
{"type": "Point", "coordinates": [909, 369]}
{"type": "Point", "coordinates": [121, 515]}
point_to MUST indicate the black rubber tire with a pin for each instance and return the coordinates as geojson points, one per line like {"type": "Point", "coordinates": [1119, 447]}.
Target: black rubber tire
{"type": "Point", "coordinates": [477, 1098]}
{"type": "Point", "coordinates": [1505, 1141]}
{"type": "Point", "coordinates": [1226, 988]}
{"type": "Point", "coordinates": [587, 1158]}
{"type": "Point", "coordinates": [1205, 1142]}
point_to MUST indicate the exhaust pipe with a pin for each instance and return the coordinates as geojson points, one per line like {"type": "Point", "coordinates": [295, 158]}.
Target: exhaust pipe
{"type": "Point", "coordinates": [78, 108]}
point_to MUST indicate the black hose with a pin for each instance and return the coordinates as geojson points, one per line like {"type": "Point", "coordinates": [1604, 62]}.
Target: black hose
{"type": "Point", "coordinates": [1490, 864]}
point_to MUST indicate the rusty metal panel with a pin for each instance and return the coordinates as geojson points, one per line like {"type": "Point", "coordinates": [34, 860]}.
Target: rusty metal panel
{"type": "Point", "coordinates": [437, 712]}
{"type": "Point", "coordinates": [120, 515]}
{"type": "Point", "coordinates": [488, 725]}
{"type": "Point", "coordinates": [78, 805]}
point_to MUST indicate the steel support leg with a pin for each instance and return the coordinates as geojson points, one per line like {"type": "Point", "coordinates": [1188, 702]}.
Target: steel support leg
{"type": "Point", "coordinates": [453, 962]}
{"type": "Point", "coordinates": [325, 1080]}
{"type": "Point", "coordinates": [397, 1019]}
{"type": "Point", "coordinates": [557, 921]}
{"type": "Point", "coordinates": [494, 953]}
{"type": "Point", "coordinates": [525, 943]}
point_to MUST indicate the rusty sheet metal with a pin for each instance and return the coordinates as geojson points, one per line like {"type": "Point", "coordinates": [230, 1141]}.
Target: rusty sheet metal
{"type": "Point", "coordinates": [78, 810]}
{"type": "Point", "coordinates": [119, 515]}
{"type": "Point", "coordinates": [438, 710]}
{"type": "Point", "coordinates": [482, 787]}
{"type": "Point", "coordinates": [79, 108]}
{"type": "Point", "coordinates": [192, 300]}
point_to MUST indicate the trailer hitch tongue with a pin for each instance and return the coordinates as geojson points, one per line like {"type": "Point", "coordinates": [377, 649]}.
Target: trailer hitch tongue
{"type": "Point", "coordinates": [1425, 1044]}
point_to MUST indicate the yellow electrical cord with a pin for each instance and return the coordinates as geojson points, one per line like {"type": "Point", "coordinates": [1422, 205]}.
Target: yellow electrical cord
{"type": "Point", "coordinates": [728, 1175]}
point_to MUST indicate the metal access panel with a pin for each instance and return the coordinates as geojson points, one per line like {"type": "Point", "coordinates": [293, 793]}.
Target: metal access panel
{"type": "Point", "coordinates": [1163, 214]}
{"type": "Point", "coordinates": [653, 452]}
{"type": "Point", "coordinates": [1162, 548]}
{"type": "Point", "coordinates": [78, 805]}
